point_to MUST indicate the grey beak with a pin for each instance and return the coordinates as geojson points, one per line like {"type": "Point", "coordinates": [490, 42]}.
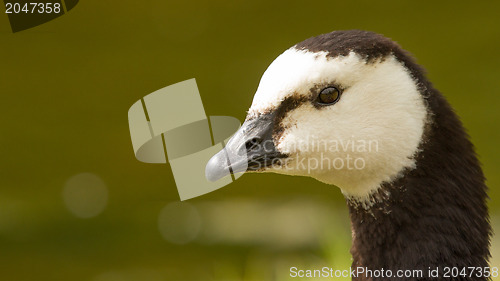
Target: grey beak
{"type": "Point", "coordinates": [251, 148]}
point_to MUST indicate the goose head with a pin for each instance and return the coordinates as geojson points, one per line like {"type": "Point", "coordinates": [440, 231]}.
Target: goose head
{"type": "Point", "coordinates": [345, 108]}
{"type": "Point", "coordinates": [353, 109]}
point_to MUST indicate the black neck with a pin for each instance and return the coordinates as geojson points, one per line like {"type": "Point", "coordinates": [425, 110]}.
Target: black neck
{"type": "Point", "coordinates": [434, 215]}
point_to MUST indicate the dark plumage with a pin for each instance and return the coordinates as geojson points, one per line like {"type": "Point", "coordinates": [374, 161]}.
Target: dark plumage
{"type": "Point", "coordinates": [369, 45]}
{"type": "Point", "coordinates": [431, 214]}
{"type": "Point", "coordinates": [434, 215]}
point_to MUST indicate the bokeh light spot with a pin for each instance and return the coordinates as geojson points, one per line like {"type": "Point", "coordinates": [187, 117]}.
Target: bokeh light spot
{"type": "Point", "coordinates": [85, 195]}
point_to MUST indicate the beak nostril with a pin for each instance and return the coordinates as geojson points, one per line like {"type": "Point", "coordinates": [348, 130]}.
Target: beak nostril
{"type": "Point", "coordinates": [253, 143]}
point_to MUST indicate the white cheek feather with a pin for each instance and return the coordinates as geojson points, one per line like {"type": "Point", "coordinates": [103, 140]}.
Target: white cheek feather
{"type": "Point", "coordinates": [380, 104]}
{"type": "Point", "coordinates": [293, 72]}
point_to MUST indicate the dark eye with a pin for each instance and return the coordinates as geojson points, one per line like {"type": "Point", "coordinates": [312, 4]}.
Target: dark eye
{"type": "Point", "coordinates": [329, 95]}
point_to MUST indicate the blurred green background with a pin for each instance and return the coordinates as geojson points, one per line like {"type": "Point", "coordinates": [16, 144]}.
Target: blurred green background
{"type": "Point", "coordinates": [66, 88]}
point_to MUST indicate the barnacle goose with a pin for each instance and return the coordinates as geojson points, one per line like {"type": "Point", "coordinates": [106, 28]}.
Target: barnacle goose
{"type": "Point", "coordinates": [417, 199]}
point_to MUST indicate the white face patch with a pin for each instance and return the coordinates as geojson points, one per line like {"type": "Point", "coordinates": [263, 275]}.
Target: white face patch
{"type": "Point", "coordinates": [368, 137]}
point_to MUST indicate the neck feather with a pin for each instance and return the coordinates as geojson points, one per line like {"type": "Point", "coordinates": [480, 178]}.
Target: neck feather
{"type": "Point", "coordinates": [434, 215]}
